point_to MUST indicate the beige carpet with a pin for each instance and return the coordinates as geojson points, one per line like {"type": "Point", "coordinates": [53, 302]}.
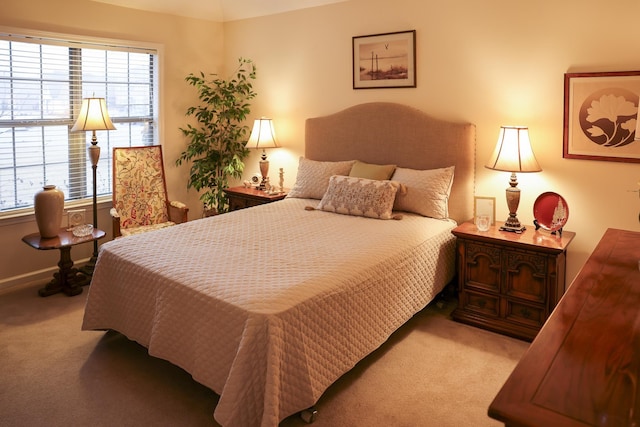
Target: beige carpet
{"type": "Point", "coordinates": [431, 372]}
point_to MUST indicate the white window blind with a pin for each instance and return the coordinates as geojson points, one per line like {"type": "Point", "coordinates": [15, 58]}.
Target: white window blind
{"type": "Point", "coordinates": [42, 83]}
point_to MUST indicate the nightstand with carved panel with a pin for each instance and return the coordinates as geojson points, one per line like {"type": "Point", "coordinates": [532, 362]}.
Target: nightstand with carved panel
{"type": "Point", "coordinates": [509, 282]}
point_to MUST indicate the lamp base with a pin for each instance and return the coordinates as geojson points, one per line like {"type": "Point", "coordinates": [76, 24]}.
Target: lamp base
{"type": "Point", "coordinates": [264, 184]}
{"type": "Point", "coordinates": [519, 229]}
{"type": "Point", "coordinates": [264, 172]}
{"type": "Point", "coordinates": [88, 268]}
{"type": "Point", "coordinates": [513, 224]}
{"type": "Point", "coordinates": [513, 200]}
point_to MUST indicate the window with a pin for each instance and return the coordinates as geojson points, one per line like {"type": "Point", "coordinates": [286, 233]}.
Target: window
{"type": "Point", "coordinates": [42, 83]}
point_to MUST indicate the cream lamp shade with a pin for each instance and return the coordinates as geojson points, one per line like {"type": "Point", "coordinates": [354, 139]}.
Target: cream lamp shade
{"type": "Point", "coordinates": [93, 116]}
{"type": "Point", "coordinates": [263, 136]}
{"type": "Point", "coordinates": [513, 153]}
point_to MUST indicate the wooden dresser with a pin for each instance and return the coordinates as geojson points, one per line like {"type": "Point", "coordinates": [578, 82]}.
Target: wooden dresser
{"type": "Point", "coordinates": [583, 368]}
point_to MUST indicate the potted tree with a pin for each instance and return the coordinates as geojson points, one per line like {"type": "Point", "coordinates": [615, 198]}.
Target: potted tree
{"type": "Point", "coordinates": [217, 144]}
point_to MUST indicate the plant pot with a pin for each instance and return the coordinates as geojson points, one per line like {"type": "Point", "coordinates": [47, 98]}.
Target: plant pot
{"type": "Point", "coordinates": [49, 204]}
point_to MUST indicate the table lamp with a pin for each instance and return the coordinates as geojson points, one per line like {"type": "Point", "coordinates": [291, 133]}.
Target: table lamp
{"type": "Point", "coordinates": [263, 136]}
{"type": "Point", "coordinates": [93, 116]}
{"type": "Point", "coordinates": [513, 154]}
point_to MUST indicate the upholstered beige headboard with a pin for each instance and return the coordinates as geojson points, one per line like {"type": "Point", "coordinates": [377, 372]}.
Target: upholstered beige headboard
{"type": "Point", "coordinates": [390, 133]}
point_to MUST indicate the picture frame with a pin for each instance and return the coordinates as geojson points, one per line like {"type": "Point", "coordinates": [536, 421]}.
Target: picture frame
{"type": "Point", "coordinates": [591, 131]}
{"type": "Point", "coordinates": [75, 217]}
{"type": "Point", "coordinates": [386, 60]}
{"type": "Point", "coordinates": [484, 206]}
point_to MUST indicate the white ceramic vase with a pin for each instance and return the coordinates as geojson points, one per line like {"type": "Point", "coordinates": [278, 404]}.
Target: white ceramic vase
{"type": "Point", "coordinates": [49, 204]}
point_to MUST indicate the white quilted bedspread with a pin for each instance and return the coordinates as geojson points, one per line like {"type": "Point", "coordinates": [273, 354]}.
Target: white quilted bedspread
{"type": "Point", "coordinates": [268, 306]}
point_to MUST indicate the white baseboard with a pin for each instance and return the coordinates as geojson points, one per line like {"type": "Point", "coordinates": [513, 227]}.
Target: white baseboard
{"type": "Point", "coordinates": [32, 278]}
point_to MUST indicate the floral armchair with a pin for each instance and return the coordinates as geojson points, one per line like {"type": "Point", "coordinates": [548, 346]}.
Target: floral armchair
{"type": "Point", "coordinates": [140, 201]}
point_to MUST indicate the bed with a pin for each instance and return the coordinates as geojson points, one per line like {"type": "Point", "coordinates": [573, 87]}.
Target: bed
{"type": "Point", "coordinates": [269, 306]}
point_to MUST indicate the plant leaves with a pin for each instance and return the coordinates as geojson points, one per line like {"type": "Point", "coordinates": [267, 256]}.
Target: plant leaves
{"type": "Point", "coordinates": [216, 147]}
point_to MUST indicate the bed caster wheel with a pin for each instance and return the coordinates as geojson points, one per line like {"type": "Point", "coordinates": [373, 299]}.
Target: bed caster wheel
{"type": "Point", "coordinates": [309, 415]}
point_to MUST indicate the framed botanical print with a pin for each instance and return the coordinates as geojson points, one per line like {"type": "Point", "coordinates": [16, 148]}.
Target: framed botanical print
{"type": "Point", "coordinates": [601, 116]}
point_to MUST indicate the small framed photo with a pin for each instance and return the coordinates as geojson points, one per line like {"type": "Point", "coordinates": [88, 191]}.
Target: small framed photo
{"type": "Point", "coordinates": [601, 116]}
{"type": "Point", "coordinates": [75, 217]}
{"type": "Point", "coordinates": [484, 206]}
{"type": "Point", "coordinates": [384, 60]}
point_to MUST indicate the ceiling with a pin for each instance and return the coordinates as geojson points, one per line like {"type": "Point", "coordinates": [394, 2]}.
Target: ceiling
{"type": "Point", "coordinates": [219, 10]}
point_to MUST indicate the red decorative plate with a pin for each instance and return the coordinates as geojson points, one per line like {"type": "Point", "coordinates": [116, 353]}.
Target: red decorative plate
{"type": "Point", "coordinates": [551, 211]}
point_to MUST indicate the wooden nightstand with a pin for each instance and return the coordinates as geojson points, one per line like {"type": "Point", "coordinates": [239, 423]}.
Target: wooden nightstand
{"type": "Point", "coordinates": [242, 197]}
{"type": "Point", "coordinates": [507, 282]}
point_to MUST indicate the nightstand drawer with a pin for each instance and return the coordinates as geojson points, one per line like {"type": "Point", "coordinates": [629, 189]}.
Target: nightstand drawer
{"type": "Point", "coordinates": [526, 314]}
{"type": "Point", "coordinates": [480, 303]}
{"type": "Point", "coordinates": [237, 203]}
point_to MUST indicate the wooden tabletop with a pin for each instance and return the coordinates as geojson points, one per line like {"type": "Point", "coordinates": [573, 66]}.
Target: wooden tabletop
{"type": "Point", "coordinates": [65, 238]}
{"type": "Point", "coordinates": [583, 368]}
{"type": "Point", "coordinates": [529, 237]}
{"type": "Point", "coordinates": [251, 192]}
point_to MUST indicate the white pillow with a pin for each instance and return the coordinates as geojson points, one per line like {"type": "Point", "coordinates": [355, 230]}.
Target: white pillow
{"type": "Point", "coordinates": [427, 191]}
{"type": "Point", "coordinates": [313, 177]}
{"type": "Point", "coordinates": [360, 197]}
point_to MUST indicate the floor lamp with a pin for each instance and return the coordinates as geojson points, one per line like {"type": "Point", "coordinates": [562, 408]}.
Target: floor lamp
{"type": "Point", "coordinates": [93, 116]}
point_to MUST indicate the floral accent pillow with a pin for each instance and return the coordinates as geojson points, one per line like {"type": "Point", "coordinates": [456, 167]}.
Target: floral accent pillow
{"type": "Point", "coordinates": [427, 191]}
{"type": "Point", "coordinates": [313, 177]}
{"type": "Point", "coordinates": [360, 197]}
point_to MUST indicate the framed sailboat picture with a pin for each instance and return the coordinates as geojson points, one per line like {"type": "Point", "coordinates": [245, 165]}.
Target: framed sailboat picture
{"type": "Point", "coordinates": [384, 60]}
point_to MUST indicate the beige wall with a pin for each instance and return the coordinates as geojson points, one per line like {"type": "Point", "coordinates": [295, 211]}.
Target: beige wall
{"type": "Point", "coordinates": [187, 45]}
{"type": "Point", "coordinates": [492, 63]}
